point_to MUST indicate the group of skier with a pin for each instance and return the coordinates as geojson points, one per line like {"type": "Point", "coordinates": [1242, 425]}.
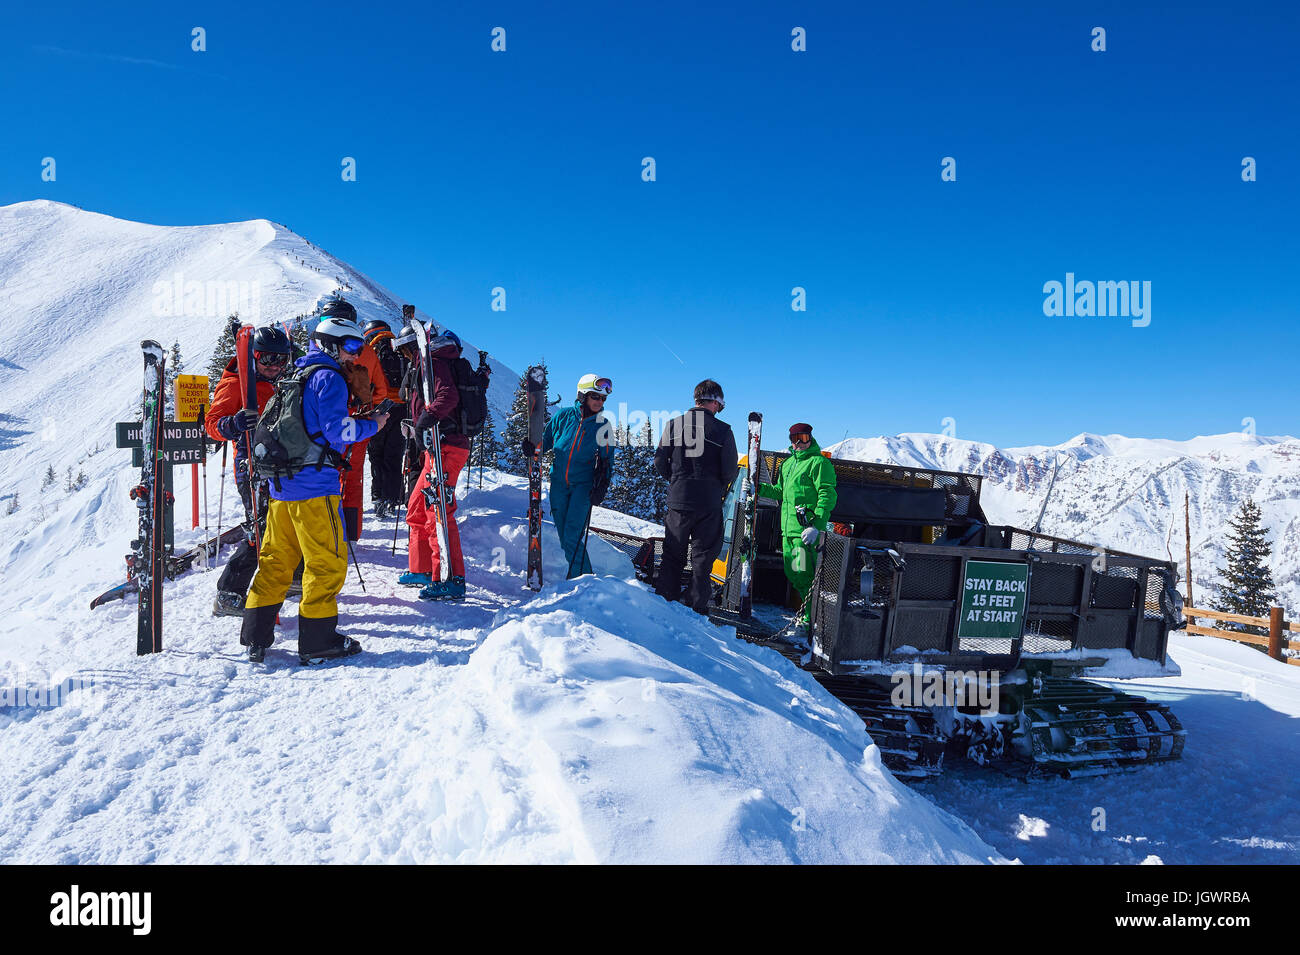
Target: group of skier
{"type": "Point", "coordinates": [299, 455]}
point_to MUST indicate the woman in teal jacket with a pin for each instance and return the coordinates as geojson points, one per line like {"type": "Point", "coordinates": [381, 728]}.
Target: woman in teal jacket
{"type": "Point", "coordinates": [806, 479]}
{"type": "Point", "coordinates": [583, 440]}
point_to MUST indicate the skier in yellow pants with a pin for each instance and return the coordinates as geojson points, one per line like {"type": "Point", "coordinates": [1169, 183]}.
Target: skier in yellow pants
{"type": "Point", "coordinates": [302, 440]}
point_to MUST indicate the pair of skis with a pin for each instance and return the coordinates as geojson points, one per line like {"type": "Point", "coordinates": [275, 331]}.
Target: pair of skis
{"type": "Point", "coordinates": [748, 539]}
{"type": "Point", "coordinates": [435, 494]}
{"type": "Point", "coordinates": [535, 389]}
{"type": "Point", "coordinates": [150, 497]}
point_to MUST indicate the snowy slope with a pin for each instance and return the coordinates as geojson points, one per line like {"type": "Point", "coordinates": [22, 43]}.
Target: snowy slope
{"type": "Point", "coordinates": [1127, 493]}
{"type": "Point", "coordinates": [78, 293]}
{"type": "Point", "coordinates": [590, 722]}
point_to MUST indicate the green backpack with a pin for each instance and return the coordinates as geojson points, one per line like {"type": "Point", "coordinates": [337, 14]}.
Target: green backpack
{"type": "Point", "coordinates": [281, 445]}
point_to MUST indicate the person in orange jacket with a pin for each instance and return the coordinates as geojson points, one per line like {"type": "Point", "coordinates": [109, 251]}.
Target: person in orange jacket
{"type": "Point", "coordinates": [388, 447]}
{"type": "Point", "coordinates": [367, 387]}
{"type": "Point", "coordinates": [228, 420]}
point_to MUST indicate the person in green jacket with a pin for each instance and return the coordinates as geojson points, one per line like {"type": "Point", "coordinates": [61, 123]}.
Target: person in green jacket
{"type": "Point", "coordinates": [806, 479]}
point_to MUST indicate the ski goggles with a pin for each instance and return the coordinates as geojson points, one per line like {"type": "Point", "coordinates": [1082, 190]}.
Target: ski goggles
{"type": "Point", "coordinates": [271, 357]}
{"type": "Point", "coordinates": [353, 346]}
{"type": "Point", "coordinates": [800, 437]}
{"type": "Point", "coordinates": [718, 398]}
{"type": "Point", "coordinates": [598, 386]}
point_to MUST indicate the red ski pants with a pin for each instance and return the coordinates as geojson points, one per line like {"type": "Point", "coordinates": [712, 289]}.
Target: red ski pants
{"type": "Point", "coordinates": [352, 502]}
{"type": "Point", "coordinates": [423, 556]}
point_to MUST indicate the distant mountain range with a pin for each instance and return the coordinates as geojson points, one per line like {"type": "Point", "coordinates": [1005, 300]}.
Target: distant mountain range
{"type": "Point", "coordinates": [1127, 493]}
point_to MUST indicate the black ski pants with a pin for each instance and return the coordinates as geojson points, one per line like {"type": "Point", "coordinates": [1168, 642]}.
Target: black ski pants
{"type": "Point", "coordinates": [386, 451]}
{"type": "Point", "coordinates": [239, 569]}
{"type": "Point", "coordinates": [702, 532]}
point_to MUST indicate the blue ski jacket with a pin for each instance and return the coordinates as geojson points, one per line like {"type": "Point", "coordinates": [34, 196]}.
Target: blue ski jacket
{"type": "Point", "coordinates": [325, 413]}
{"type": "Point", "coordinates": [577, 441]}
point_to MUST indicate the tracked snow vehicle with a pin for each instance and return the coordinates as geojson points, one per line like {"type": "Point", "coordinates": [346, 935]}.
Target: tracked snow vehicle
{"type": "Point", "coordinates": [951, 636]}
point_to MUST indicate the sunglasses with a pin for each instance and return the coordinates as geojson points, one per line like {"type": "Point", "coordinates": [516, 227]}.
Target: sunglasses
{"type": "Point", "coordinates": [597, 395]}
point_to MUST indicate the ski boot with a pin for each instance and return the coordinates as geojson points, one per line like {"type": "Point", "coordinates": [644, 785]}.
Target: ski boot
{"type": "Point", "coordinates": [381, 511]}
{"type": "Point", "coordinates": [257, 654]}
{"type": "Point", "coordinates": [347, 648]}
{"type": "Point", "coordinates": [412, 579]}
{"type": "Point", "coordinates": [453, 589]}
{"type": "Point", "coordinates": [228, 604]}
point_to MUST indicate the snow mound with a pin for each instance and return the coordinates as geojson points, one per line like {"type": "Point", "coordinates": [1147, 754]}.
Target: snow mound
{"type": "Point", "coordinates": [591, 722]}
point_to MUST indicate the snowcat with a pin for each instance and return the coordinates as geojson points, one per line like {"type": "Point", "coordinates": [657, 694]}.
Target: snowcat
{"type": "Point", "coordinates": [951, 636]}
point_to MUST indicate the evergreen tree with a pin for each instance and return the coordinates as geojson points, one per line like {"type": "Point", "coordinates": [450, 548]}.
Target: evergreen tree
{"type": "Point", "coordinates": [50, 478]}
{"type": "Point", "coordinates": [512, 455]}
{"type": "Point", "coordinates": [487, 447]}
{"type": "Point", "coordinates": [13, 504]}
{"type": "Point", "coordinates": [221, 355]}
{"type": "Point", "coordinates": [174, 366]}
{"type": "Point", "coordinates": [1247, 583]}
{"type": "Point", "coordinates": [68, 483]}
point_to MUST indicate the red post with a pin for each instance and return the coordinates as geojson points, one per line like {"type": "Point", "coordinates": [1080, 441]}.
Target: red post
{"type": "Point", "coordinates": [194, 493]}
{"type": "Point", "coordinates": [1275, 633]}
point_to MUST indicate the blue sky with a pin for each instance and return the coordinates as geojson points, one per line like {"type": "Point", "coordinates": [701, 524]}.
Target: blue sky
{"type": "Point", "coordinates": [775, 169]}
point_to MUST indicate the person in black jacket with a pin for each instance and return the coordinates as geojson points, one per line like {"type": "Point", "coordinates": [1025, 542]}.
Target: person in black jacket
{"type": "Point", "coordinates": [387, 448]}
{"type": "Point", "coordinates": [697, 455]}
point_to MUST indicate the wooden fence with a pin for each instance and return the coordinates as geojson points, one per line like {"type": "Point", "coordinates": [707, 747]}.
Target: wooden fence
{"type": "Point", "coordinates": [1273, 623]}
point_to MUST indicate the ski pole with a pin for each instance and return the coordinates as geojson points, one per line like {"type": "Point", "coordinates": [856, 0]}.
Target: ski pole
{"type": "Point", "coordinates": [221, 498]}
{"type": "Point", "coordinates": [357, 566]}
{"type": "Point", "coordinates": [482, 365]}
{"type": "Point", "coordinates": [203, 464]}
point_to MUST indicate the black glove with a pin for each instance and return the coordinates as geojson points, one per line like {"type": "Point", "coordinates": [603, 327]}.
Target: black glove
{"type": "Point", "coordinates": [232, 426]}
{"type": "Point", "coordinates": [600, 481]}
{"type": "Point", "coordinates": [529, 448]}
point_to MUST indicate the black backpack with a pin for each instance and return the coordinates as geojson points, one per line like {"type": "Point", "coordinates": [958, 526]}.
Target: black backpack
{"type": "Point", "coordinates": [471, 411]}
{"type": "Point", "coordinates": [390, 362]}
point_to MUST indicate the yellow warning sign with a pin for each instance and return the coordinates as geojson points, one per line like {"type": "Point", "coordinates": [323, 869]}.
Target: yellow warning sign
{"type": "Point", "coordinates": [191, 396]}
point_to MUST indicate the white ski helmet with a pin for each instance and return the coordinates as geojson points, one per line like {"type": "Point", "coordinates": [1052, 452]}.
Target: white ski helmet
{"type": "Point", "coordinates": [338, 329]}
{"type": "Point", "coordinates": [589, 383]}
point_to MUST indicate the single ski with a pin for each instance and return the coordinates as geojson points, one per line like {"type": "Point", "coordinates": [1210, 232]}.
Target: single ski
{"type": "Point", "coordinates": [173, 566]}
{"type": "Point", "coordinates": [748, 539]}
{"type": "Point", "coordinates": [435, 493]}
{"type": "Point", "coordinates": [149, 497]}
{"type": "Point", "coordinates": [247, 364]}
{"type": "Point", "coordinates": [535, 386]}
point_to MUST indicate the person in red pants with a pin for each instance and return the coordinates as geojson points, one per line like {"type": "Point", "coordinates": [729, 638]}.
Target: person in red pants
{"type": "Point", "coordinates": [424, 557]}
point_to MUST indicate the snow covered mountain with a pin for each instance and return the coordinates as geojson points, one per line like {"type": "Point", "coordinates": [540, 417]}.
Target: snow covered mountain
{"type": "Point", "coordinates": [1127, 493]}
{"type": "Point", "coordinates": [78, 293]}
